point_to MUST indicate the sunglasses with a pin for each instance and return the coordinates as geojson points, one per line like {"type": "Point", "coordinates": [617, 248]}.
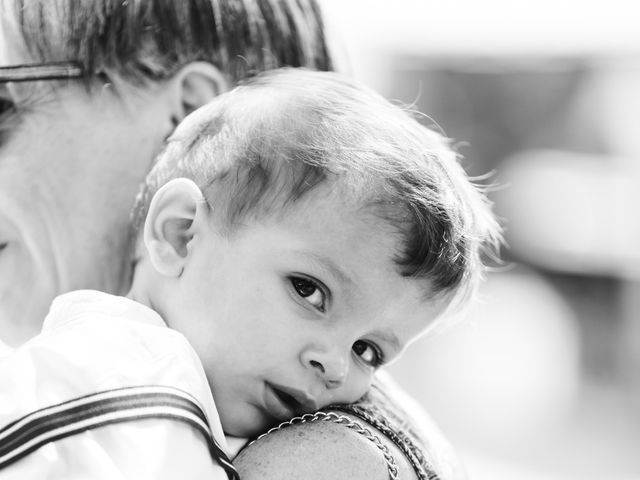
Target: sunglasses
{"type": "Point", "coordinates": [40, 71]}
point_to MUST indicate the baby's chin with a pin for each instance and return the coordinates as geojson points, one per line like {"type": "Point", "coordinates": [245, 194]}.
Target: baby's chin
{"type": "Point", "coordinates": [247, 425]}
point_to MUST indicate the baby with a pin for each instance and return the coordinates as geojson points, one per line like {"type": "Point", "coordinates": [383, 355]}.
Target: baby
{"type": "Point", "coordinates": [295, 235]}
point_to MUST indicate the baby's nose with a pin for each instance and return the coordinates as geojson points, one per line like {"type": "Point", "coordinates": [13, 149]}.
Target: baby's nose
{"type": "Point", "coordinates": [328, 364]}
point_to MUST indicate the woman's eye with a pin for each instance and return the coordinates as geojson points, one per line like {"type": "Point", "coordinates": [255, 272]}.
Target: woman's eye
{"type": "Point", "coordinates": [368, 353]}
{"type": "Point", "coordinates": [311, 292]}
{"type": "Point", "coordinates": [6, 106]}
{"type": "Point", "coordinates": [7, 111]}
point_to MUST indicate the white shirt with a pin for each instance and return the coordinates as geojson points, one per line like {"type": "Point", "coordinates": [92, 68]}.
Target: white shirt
{"type": "Point", "coordinates": [93, 342]}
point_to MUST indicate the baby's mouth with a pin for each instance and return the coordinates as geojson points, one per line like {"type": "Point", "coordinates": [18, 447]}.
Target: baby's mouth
{"type": "Point", "coordinates": [288, 400]}
{"type": "Point", "coordinates": [295, 401]}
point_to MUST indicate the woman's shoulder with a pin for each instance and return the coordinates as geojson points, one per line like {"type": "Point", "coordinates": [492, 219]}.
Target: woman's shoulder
{"type": "Point", "coordinates": [335, 446]}
{"type": "Point", "coordinates": [370, 439]}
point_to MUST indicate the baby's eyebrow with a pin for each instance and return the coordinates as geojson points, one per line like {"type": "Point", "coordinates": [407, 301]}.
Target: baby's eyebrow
{"type": "Point", "coordinates": [328, 265]}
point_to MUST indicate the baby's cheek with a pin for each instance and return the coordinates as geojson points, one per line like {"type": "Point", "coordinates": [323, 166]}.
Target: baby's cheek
{"type": "Point", "coordinates": [355, 389]}
{"type": "Point", "coordinates": [365, 387]}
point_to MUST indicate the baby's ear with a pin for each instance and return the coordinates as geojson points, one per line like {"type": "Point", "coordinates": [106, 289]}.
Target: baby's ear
{"type": "Point", "coordinates": [168, 228]}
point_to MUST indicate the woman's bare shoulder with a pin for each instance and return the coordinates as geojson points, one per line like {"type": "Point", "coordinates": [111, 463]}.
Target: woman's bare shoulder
{"type": "Point", "coordinates": [322, 450]}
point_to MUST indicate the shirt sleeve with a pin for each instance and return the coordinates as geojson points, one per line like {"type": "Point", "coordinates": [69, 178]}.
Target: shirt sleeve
{"type": "Point", "coordinates": [48, 372]}
{"type": "Point", "coordinates": [144, 449]}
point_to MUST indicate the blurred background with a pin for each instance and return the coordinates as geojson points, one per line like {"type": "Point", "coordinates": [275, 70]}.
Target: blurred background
{"type": "Point", "coordinates": [541, 378]}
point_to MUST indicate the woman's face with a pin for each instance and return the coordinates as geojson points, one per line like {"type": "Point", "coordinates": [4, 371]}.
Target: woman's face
{"type": "Point", "coordinates": [70, 165]}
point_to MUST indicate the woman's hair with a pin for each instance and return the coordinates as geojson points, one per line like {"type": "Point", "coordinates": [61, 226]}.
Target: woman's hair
{"type": "Point", "coordinates": [269, 143]}
{"type": "Point", "coordinates": [143, 40]}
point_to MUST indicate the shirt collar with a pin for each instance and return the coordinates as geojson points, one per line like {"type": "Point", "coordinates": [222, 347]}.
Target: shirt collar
{"type": "Point", "coordinates": [69, 306]}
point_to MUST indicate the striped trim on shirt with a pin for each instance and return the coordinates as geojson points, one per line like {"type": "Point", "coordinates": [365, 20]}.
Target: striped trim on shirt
{"type": "Point", "coordinates": [23, 436]}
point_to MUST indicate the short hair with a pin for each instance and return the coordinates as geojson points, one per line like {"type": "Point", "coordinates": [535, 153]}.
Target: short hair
{"type": "Point", "coordinates": [271, 141]}
{"type": "Point", "coordinates": [142, 40]}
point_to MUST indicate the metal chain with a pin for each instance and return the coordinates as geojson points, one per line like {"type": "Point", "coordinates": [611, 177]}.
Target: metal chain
{"type": "Point", "coordinates": [347, 422]}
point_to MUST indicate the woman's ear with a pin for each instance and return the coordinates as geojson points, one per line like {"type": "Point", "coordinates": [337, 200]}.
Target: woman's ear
{"type": "Point", "coordinates": [195, 85]}
{"type": "Point", "coordinates": [171, 224]}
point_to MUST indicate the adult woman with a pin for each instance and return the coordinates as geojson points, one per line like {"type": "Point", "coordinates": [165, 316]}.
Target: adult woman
{"type": "Point", "coordinates": [77, 139]}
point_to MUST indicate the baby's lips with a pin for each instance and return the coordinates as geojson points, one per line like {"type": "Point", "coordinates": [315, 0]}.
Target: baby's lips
{"type": "Point", "coordinates": [298, 400]}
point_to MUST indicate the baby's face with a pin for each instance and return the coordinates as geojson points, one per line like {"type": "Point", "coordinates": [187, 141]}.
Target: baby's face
{"type": "Point", "coordinates": [289, 315]}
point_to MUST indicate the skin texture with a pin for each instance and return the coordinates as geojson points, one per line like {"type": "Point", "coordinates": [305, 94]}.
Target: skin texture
{"type": "Point", "coordinates": [309, 302]}
{"type": "Point", "coordinates": [325, 450]}
{"type": "Point", "coordinates": [317, 451]}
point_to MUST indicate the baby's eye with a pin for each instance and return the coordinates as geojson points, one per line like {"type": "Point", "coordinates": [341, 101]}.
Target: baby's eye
{"type": "Point", "coordinates": [368, 353]}
{"type": "Point", "coordinates": [310, 291]}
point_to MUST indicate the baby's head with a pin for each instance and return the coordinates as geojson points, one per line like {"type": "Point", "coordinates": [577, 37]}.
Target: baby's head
{"type": "Point", "coordinates": [301, 231]}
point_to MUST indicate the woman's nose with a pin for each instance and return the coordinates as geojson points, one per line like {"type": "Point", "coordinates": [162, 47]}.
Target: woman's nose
{"type": "Point", "coordinates": [328, 364]}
